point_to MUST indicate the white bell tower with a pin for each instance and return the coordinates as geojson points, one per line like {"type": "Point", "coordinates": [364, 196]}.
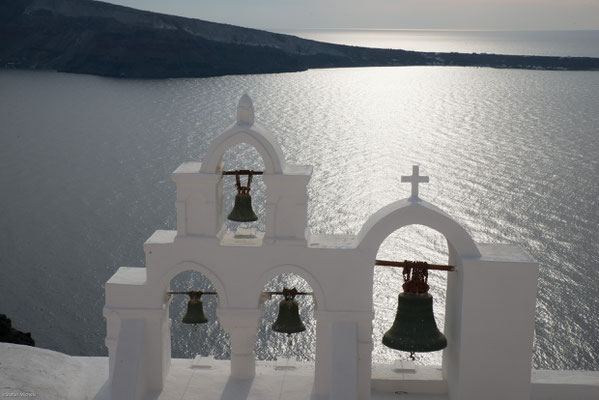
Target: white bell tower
{"type": "Point", "coordinates": [491, 294]}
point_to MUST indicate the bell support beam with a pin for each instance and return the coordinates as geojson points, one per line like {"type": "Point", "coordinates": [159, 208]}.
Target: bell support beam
{"type": "Point", "coordinates": [282, 293]}
{"type": "Point", "coordinates": [193, 292]}
{"type": "Point", "coordinates": [289, 293]}
{"type": "Point", "coordinates": [413, 264]}
{"type": "Point", "coordinates": [297, 294]}
{"type": "Point", "coordinates": [243, 172]}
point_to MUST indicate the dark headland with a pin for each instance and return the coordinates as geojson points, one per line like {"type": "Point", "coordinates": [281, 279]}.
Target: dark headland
{"type": "Point", "coordinates": [91, 37]}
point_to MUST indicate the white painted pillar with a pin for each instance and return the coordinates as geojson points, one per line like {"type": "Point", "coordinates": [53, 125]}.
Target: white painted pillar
{"type": "Point", "coordinates": [323, 363]}
{"type": "Point", "coordinates": [113, 327]}
{"type": "Point", "coordinates": [242, 326]}
{"type": "Point", "coordinates": [199, 201]}
{"type": "Point", "coordinates": [365, 347]}
{"type": "Point", "coordinates": [157, 334]}
{"type": "Point", "coordinates": [344, 357]}
{"type": "Point", "coordinates": [129, 378]}
{"type": "Point", "coordinates": [287, 205]}
{"type": "Point", "coordinates": [139, 353]}
{"type": "Point", "coordinates": [493, 312]}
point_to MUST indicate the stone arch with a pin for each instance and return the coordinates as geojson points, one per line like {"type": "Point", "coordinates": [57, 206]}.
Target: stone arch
{"type": "Point", "coordinates": [319, 297]}
{"type": "Point", "coordinates": [405, 212]}
{"type": "Point", "coordinates": [175, 270]}
{"type": "Point", "coordinates": [246, 131]}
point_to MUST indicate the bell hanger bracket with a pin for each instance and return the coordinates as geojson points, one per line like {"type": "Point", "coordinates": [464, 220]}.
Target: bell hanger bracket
{"type": "Point", "coordinates": [243, 190]}
{"type": "Point", "coordinates": [415, 273]}
{"type": "Point", "coordinates": [243, 172]}
{"type": "Point", "coordinates": [193, 294]}
{"type": "Point", "coordinates": [289, 294]}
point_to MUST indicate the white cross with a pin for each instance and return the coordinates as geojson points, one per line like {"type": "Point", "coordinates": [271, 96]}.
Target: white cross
{"type": "Point", "coordinates": [415, 179]}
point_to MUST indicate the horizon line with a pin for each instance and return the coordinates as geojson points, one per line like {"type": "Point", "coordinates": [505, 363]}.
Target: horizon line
{"type": "Point", "coordinates": [432, 29]}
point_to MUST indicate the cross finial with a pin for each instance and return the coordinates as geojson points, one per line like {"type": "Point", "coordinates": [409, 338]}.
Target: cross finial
{"type": "Point", "coordinates": [415, 179]}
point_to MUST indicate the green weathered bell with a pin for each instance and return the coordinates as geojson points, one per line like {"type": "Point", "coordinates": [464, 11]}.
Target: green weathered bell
{"type": "Point", "coordinates": [195, 312]}
{"type": "Point", "coordinates": [414, 329]}
{"type": "Point", "coordinates": [288, 321]}
{"type": "Point", "coordinates": [242, 210]}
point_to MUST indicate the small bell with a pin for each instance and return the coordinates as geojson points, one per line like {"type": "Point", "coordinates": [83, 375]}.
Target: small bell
{"type": "Point", "coordinates": [195, 310]}
{"type": "Point", "coordinates": [414, 328]}
{"type": "Point", "coordinates": [288, 321]}
{"type": "Point", "coordinates": [242, 209]}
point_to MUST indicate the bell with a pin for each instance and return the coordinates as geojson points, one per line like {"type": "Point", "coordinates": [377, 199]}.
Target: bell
{"type": "Point", "coordinates": [242, 210]}
{"type": "Point", "coordinates": [288, 321]}
{"type": "Point", "coordinates": [195, 312]}
{"type": "Point", "coordinates": [415, 329]}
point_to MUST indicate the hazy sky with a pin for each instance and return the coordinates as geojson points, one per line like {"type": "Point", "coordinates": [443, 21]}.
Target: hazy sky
{"type": "Point", "coordinates": [396, 14]}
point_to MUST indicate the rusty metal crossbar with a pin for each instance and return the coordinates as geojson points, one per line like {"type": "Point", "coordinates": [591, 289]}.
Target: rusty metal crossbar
{"type": "Point", "coordinates": [414, 264]}
{"type": "Point", "coordinates": [289, 293]}
{"type": "Point", "coordinates": [194, 294]}
{"type": "Point", "coordinates": [243, 172]}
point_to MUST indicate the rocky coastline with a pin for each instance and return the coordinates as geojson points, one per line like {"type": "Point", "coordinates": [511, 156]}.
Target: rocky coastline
{"type": "Point", "coordinates": [92, 37]}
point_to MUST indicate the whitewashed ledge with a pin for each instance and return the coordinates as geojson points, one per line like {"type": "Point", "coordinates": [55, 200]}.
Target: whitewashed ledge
{"type": "Point", "coordinates": [38, 373]}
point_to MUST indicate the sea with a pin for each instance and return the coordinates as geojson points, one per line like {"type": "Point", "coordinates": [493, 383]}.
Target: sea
{"type": "Point", "coordinates": [512, 155]}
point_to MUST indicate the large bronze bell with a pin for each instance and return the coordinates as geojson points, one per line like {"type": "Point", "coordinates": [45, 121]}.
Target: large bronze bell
{"type": "Point", "coordinates": [288, 321]}
{"type": "Point", "coordinates": [242, 209]}
{"type": "Point", "coordinates": [195, 310]}
{"type": "Point", "coordinates": [414, 328]}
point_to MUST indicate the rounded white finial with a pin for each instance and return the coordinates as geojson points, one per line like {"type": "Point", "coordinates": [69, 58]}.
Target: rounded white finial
{"type": "Point", "coordinates": [245, 111]}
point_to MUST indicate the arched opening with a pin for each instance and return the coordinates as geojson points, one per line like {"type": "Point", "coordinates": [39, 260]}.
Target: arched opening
{"type": "Point", "coordinates": [191, 340]}
{"type": "Point", "coordinates": [271, 345]}
{"type": "Point", "coordinates": [413, 243]}
{"type": "Point", "coordinates": [244, 156]}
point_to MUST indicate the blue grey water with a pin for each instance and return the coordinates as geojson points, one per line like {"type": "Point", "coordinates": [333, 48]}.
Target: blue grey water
{"type": "Point", "coordinates": [513, 156]}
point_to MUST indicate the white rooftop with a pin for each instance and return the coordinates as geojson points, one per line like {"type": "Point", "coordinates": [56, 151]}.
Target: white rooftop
{"type": "Point", "coordinates": [25, 371]}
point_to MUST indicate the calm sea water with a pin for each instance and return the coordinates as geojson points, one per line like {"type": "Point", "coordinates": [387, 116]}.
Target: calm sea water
{"type": "Point", "coordinates": [512, 156]}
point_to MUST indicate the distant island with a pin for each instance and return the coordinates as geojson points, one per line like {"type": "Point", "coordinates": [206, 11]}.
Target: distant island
{"type": "Point", "coordinates": [92, 37]}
